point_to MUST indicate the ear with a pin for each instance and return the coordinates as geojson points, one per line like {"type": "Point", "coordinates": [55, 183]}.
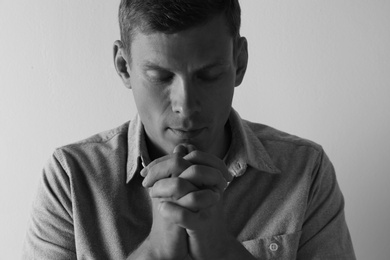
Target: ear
{"type": "Point", "coordinates": [122, 64]}
{"type": "Point", "coordinates": [241, 59]}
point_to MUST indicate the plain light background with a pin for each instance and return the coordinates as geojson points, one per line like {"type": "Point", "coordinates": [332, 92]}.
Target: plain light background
{"type": "Point", "coordinates": [317, 69]}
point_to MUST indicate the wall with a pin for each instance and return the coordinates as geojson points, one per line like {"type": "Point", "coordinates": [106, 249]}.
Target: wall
{"type": "Point", "coordinates": [318, 69]}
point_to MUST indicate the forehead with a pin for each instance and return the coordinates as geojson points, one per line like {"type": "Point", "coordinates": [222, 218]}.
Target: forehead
{"type": "Point", "coordinates": [205, 43]}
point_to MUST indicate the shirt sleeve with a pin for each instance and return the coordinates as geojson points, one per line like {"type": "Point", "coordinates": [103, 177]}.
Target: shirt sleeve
{"type": "Point", "coordinates": [50, 234]}
{"type": "Point", "coordinates": [325, 234]}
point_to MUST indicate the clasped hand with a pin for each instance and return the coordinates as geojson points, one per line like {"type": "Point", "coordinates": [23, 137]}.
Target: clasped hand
{"type": "Point", "coordinates": [186, 189]}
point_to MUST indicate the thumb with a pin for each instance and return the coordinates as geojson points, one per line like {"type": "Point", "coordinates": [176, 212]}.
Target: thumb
{"type": "Point", "coordinates": [184, 149]}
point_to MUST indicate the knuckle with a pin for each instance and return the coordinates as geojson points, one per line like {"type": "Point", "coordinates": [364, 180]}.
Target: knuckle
{"type": "Point", "coordinates": [176, 187]}
{"type": "Point", "coordinates": [201, 199]}
{"type": "Point", "coordinates": [193, 198]}
{"type": "Point", "coordinates": [210, 196]}
{"type": "Point", "coordinates": [179, 216]}
{"type": "Point", "coordinates": [175, 182]}
{"type": "Point", "coordinates": [162, 208]}
{"type": "Point", "coordinates": [196, 169]}
{"type": "Point", "coordinates": [157, 185]}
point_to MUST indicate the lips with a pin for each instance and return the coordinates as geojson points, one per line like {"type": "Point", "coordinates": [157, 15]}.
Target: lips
{"type": "Point", "coordinates": [186, 134]}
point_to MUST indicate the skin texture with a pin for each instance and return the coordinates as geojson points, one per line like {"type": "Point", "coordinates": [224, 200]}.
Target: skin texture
{"type": "Point", "coordinates": [183, 86]}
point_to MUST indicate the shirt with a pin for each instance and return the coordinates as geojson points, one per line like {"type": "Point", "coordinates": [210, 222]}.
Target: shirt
{"type": "Point", "coordinates": [283, 202]}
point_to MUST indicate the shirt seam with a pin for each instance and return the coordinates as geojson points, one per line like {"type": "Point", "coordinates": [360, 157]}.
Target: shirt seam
{"type": "Point", "coordinates": [318, 148]}
{"type": "Point", "coordinates": [93, 140]}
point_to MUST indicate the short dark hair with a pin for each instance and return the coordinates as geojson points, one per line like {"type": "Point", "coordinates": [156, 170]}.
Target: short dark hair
{"type": "Point", "coordinates": [171, 16]}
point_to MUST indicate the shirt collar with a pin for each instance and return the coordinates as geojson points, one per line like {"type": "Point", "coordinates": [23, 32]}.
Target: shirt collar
{"type": "Point", "coordinates": [245, 149]}
{"type": "Point", "coordinates": [138, 155]}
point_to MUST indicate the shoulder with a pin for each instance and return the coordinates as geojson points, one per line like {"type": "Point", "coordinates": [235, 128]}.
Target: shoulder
{"type": "Point", "coordinates": [105, 137]}
{"type": "Point", "coordinates": [286, 150]}
{"type": "Point", "coordinates": [102, 137]}
{"type": "Point", "coordinates": [96, 148]}
{"type": "Point", "coordinates": [272, 136]}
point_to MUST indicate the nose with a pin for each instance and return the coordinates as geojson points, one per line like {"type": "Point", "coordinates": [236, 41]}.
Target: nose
{"type": "Point", "coordinates": [185, 98]}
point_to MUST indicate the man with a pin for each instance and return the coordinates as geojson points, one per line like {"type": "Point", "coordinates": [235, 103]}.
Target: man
{"type": "Point", "coordinates": [187, 178]}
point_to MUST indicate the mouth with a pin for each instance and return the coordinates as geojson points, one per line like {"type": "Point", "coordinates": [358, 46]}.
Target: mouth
{"type": "Point", "coordinates": [186, 134]}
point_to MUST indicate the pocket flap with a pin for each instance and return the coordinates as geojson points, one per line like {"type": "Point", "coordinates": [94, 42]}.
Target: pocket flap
{"type": "Point", "coordinates": [275, 247]}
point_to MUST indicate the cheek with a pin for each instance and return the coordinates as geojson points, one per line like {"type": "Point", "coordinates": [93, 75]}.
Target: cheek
{"type": "Point", "coordinates": [221, 106]}
{"type": "Point", "coordinates": [223, 95]}
{"type": "Point", "coordinates": [151, 102]}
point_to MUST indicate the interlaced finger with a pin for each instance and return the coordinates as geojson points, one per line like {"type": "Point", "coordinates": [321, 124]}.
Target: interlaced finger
{"type": "Point", "coordinates": [172, 166]}
{"type": "Point", "coordinates": [171, 189]}
{"type": "Point", "coordinates": [199, 157]}
{"type": "Point", "coordinates": [204, 177]}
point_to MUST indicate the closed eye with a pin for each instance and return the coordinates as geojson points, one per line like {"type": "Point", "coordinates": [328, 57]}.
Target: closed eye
{"type": "Point", "coordinates": [210, 74]}
{"type": "Point", "coordinates": [158, 75]}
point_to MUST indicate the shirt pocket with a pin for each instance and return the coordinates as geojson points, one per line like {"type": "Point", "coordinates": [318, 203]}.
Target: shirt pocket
{"type": "Point", "coordinates": [276, 247]}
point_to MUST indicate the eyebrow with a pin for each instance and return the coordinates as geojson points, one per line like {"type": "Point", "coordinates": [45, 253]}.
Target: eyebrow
{"type": "Point", "coordinates": [152, 66]}
{"type": "Point", "coordinates": [148, 65]}
{"type": "Point", "coordinates": [221, 63]}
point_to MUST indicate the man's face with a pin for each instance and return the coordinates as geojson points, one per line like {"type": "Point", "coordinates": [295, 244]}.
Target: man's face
{"type": "Point", "coordinates": [183, 86]}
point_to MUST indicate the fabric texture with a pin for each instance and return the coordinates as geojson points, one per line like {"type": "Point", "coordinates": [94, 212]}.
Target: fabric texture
{"type": "Point", "coordinates": [283, 202]}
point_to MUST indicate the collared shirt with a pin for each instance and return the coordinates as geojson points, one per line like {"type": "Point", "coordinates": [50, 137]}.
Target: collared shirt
{"type": "Point", "coordinates": [283, 202]}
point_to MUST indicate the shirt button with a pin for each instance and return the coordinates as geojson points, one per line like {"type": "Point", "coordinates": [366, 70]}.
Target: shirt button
{"type": "Point", "coordinates": [273, 247]}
